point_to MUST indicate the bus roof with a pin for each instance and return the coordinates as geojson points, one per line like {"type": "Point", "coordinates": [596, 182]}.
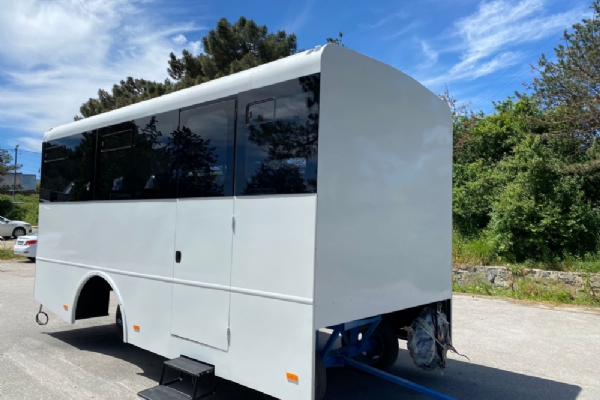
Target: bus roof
{"type": "Point", "coordinates": [294, 66]}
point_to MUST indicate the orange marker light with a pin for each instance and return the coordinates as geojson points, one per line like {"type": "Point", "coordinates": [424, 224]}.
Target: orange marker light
{"type": "Point", "coordinates": [136, 328]}
{"type": "Point", "coordinates": [291, 377]}
{"type": "Point", "coordinates": [66, 307]}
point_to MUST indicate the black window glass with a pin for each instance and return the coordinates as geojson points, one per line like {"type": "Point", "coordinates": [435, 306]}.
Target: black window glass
{"type": "Point", "coordinates": [67, 168]}
{"type": "Point", "coordinates": [118, 140]}
{"type": "Point", "coordinates": [203, 149]}
{"type": "Point", "coordinates": [135, 159]}
{"type": "Point", "coordinates": [279, 156]}
{"type": "Point", "coordinates": [261, 112]}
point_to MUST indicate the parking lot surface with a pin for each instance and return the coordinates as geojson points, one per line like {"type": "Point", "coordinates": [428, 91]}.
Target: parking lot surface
{"type": "Point", "coordinates": [516, 351]}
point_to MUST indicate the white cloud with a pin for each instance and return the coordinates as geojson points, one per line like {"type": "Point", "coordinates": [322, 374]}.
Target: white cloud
{"type": "Point", "coordinates": [196, 47]}
{"type": "Point", "coordinates": [301, 19]}
{"type": "Point", "coordinates": [55, 55]}
{"type": "Point", "coordinates": [180, 39]}
{"type": "Point", "coordinates": [403, 30]}
{"type": "Point", "coordinates": [383, 21]}
{"type": "Point", "coordinates": [29, 143]}
{"type": "Point", "coordinates": [491, 38]}
{"type": "Point", "coordinates": [430, 55]}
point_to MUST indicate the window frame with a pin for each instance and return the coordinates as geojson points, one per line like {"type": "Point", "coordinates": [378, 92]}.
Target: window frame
{"type": "Point", "coordinates": [268, 99]}
{"type": "Point", "coordinates": [103, 150]}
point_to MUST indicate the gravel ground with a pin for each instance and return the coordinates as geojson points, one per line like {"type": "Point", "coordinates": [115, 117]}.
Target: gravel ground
{"type": "Point", "coordinates": [517, 351]}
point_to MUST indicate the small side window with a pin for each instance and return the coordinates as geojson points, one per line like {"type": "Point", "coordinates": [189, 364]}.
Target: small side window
{"type": "Point", "coordinates": [55, 153]}
{"type": "Point", "coordinates": [117, 141]}
{"type": "Point", "coordinates": [260, 112]}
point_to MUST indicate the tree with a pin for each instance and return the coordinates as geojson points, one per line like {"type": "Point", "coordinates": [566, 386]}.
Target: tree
{"type": "Point", "coordinates": [337, 40]}
{"type": "Point", "coordinates": [6, 167]}
{"type": "Point", "coordinates": [568, 89]}
{"type": "Point", "coordinates": [126, 92]}
{"type": "Point", "coordinates": [229, 48]}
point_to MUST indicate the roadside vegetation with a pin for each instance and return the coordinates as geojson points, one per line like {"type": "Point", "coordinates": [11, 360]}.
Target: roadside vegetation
{"type": "Point", "coordinates": [26, 209]}
{"type": "Point", "coordinates": [8, 254]}
{"type": "Point", "coordinates": [532, 290]}
{"type": "Point", "coordinates": [527, 177]}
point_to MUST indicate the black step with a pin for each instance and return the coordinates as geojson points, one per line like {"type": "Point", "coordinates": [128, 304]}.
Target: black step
{"type": "Point", "coordinates": [162, 393]}
{"type": "Point", "coordinates": [189, 366]}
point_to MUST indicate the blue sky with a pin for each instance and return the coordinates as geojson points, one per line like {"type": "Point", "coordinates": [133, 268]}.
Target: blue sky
{"type": "Point", "coordinates": [54, 55]}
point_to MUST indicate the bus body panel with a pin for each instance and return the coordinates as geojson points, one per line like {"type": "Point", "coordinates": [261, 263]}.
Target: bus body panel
{"type": "Point", "coordinates": [384, 217]}
{"type": "Point", "coordinates": [274, 245]}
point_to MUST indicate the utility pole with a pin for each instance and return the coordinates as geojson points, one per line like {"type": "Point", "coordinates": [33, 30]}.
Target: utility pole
{"type": "Point", "coordinates": [15, 182]}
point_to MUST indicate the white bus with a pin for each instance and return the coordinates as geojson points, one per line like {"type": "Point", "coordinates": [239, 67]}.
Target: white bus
{"type": "Point", "coordinates": [235, 219]}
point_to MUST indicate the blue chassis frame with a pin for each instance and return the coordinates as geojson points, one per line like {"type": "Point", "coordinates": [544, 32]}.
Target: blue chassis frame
{"type": "Point", "coordinates": [344, 356]}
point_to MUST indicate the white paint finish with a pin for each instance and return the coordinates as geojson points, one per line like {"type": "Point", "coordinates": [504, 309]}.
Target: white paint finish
{"type": "Point", "coordinates": [267, 295]}
{"type": "Point", "coordinates": [384, 191]}
{"type": "Point", "coordinates": [55, 286]}
{"type": "Point", "coordinates": [201, 315]}
{"type": "Point", "coordinates": [204, 234]}
{"type": "Point", "coordinates": [268, 339]}
{"type": "Point", "coordinates": [273, 245]}
{"type": "Point", "coordinates": [301, 64]}
{"type": "Point", "coordinates": [297, 65]}
{"type": "Point", "coordinates": [136, 236]}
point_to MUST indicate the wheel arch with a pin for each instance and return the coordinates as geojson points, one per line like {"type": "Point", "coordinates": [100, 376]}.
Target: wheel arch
{"type": "Point", "coordinates": [82, 283]}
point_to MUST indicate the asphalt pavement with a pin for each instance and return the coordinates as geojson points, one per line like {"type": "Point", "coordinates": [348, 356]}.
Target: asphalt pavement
{"type": "Point", "coordinates": [516, 351]}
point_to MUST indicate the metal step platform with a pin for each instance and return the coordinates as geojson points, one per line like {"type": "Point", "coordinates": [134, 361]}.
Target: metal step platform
{"type": "Point", "coordinates": [200, 373]}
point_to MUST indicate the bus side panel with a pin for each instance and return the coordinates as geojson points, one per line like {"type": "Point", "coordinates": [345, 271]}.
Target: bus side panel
{"type": "Point", "coordinates": [56, 286]}
{"type": "Point", "coordinates": [131, 244]}
{"type": "Point", "coordinates": [269, 338]}
{"type": "Point", "coordinates": [273, 257]}
{"type": "Point", "coordinates": [131, 236]}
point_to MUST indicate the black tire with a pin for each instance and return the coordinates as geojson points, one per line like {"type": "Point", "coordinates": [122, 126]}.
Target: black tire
{"type": "Point", "coordinates": [320, 377]}
{"type": "Point", "coordinates": [119, 323]}
{"type": "Point", "coordinates": [19, 232]}
{"type": "Point", "coordinates": [31, 259]}
{"type": "Point", "coordinates": [386, 354]}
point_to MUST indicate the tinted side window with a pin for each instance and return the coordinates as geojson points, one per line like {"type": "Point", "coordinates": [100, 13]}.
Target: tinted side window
{"type": "Point", "coordinates": [67, 168]}
{"type": "Point", "coordinates": [260, 112]}
{"type": "Point", "coordinates": [204, 150]}
{"type": "Point", "coordinates": [136, 160]}
{"type": "Point", "coordinates": [279, 156]}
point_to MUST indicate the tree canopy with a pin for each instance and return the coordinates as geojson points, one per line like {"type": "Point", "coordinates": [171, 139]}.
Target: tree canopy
{"type": "Point", "coordinates": [526, 181]}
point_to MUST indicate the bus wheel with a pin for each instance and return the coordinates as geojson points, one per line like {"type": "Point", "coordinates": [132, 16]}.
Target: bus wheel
{"type": "Point", "coordinates": [320, 377]}
{"type": "Point", "coordinates": [385, 353]}
{"type": "Point", "coordinates": [119, 322]}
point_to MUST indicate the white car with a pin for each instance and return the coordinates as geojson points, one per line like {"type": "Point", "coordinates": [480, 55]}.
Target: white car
{"type": "Point", "coordinates": [26, 246]}
{"type": "Point", "coordinates": [14, 228]}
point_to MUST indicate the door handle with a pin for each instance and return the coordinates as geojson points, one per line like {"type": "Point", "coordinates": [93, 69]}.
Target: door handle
{"type": "Point", "coordinates": [177, 256]}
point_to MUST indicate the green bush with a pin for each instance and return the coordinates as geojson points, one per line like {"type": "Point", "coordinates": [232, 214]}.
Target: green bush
{"type": "Point", "coordinates": [521, 195]}
{"type": "Point", "coordinates": [27, 211]}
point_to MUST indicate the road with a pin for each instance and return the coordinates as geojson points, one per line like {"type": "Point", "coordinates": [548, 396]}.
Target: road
{"type": "Point", "coordinates": [516, 351]}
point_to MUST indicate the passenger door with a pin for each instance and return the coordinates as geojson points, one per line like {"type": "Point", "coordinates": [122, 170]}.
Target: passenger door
{"type": "Point", "coordinates": [202, 270]}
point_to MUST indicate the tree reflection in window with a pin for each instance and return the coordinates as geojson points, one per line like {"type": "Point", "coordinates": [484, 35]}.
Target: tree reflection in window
{"type": "Point", "coordinates": [287, 145]}
{"type": "Point", "coordinates": [203, 150]}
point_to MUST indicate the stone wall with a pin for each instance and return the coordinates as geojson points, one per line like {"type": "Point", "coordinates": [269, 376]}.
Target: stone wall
{"type": "Point", "coordinates": [503, 276]}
